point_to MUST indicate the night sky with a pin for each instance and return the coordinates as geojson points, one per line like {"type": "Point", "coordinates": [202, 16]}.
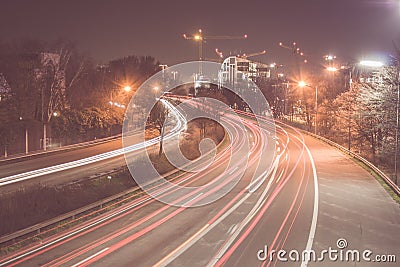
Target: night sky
{"type": "Point", "coordinates": [350, 29]}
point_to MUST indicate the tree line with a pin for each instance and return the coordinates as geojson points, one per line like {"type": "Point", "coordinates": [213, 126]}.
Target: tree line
{"type": "Point", "coordinates": [357, 108]}
{"type": "Point", "coordinates": [54, 87]}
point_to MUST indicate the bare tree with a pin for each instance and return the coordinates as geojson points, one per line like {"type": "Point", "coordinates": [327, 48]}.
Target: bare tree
{"type": "Point", "coordinates": [53, 81]}
{"type": "Point", "coordinates": [158, 116]}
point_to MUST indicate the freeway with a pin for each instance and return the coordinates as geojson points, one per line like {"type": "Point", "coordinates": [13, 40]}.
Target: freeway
{"type": "Point", "coordinates": [29, 164]}
{"type": "Point", "coordinates": [311, 196]}
{"type": "Point", "coordinates": [79, 164]}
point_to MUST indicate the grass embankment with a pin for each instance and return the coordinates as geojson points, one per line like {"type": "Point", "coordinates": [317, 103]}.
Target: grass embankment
{"type": "Point", "coordinates": [32, 205]}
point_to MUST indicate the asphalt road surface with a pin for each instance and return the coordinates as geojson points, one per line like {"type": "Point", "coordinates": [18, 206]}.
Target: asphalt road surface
{"type": "Point", "coordinates": [312, 197]}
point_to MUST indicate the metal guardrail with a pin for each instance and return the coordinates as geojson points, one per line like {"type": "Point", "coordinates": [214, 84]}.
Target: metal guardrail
{"type": "Point", "coordinates": [36, 154]}
{"type": "Point", "coordinates": [387, 179]}
{"type": "Point", "coordinates": [77, 212]}
{"type": "Point", "coordinates": [99, 204]}
{"type": "Point", "coordinates": [69, 215]}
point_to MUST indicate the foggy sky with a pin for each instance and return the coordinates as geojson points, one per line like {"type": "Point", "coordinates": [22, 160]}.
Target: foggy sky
{"type": "Point", "coordinates": [350, 29]}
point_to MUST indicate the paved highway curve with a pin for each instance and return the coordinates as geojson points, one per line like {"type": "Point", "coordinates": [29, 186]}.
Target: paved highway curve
{"type": "Point", "coordinates": [313, 196]}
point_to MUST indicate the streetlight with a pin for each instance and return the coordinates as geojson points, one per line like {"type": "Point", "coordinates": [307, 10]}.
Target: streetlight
{"type": "Point", "coordinates": [174, 73]}
{"type": "Point", "coordinates": [331, 69]}
{"type": "Point", "coordinates": [163, 67]}
{"type": "Point", "coordinates": [378, 64]}
{"type": "Point", "coordinates": [350, 68]}
{"type": "Point", "coordinates": [371, 63]}
{"type": "Point", "coordinates": [117, 93]}
{"type": "Point", "coordinates": [397, 122]}
{"type": "Point", "coordinates": [26, 136]}
{"type": "Point", "coordinates": [303, 84]}
{"type": "Point", "coordinates": [329, 57]}
{"type": "Point", "coordinates": [155, 89]}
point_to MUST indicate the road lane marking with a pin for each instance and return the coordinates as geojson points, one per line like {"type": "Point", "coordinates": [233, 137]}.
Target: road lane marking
{"type": "Point", "coordinates": [224, 253]}
{"type": "Point", "coordinates": [232, 171]}
{"type": "Point", "coordinates": [208, 227]}
{"type": "Point", "coordinates": [315, 212]}
{"type": "Point", "coordinates": [232, 229]}
{"type": "Point", "coordinates": [161, 262]}
{"type": "Point", "coordinates": [30, 252]}
{"type": "Point", "coordinates": [256, 208]}
{"type": "Point", "coordinates": [74, 232]}
{"type": "Point", "coordinates": [192, 199]}
{"type": "Point", "coordinates": [89, 258]}
{"type": "Point", "coordinates": [313, 227]}
{"type": "Point", "coordinates": [254, 185]}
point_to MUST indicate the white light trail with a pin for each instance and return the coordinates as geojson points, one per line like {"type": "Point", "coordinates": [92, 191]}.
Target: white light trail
{"type": "Point", "coordinates": [181, 123]}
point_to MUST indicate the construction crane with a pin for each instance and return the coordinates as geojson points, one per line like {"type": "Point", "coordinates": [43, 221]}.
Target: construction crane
{"type": "Point", "coordinates": [220, 55]}
{"type": "Point", "coordinates": [245, 56]}
{"type": "Point", "coordinates": [200, 38]}
{"type": "Point", "coordinates": [294, 48]}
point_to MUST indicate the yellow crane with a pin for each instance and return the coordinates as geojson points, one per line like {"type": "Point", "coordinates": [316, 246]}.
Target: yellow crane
{"type": "Point", "coordinates": [200, 38]}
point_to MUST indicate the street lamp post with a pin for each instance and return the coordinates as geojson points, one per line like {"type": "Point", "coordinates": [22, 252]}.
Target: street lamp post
{"type": "Point", "coordinates": [155, 89]}
{"type": "Point", "coordinates": [26, 137]}
{"type": "Point", "coordinates": [377, 64]}
{"type": "Point", "coordinates": [349, 128]}
{"type": "Point", "coordinates": [316, 109]}
{"type": "Point", "coordinates": [44, 124]}
{"type": "Point", "coordinates": [303, 84]}
{"type": "Point", "coordinates": [364, 63]}
{"type": "Point", "coordinates": [397, 123]}
{"type": "Point", "coordinates": [174, 73]}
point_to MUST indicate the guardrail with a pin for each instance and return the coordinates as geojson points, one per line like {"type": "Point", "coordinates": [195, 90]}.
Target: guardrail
{"type": "Point", "coordinates": [387, 179]}
{"type": "Point", "coordinates": [72, 214]}
{"type": "Point", "coordinates": [36, 154]}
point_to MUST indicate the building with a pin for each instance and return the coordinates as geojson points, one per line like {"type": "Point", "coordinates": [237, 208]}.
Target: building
{"type": "Point", "coordinates": [235, 69]}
